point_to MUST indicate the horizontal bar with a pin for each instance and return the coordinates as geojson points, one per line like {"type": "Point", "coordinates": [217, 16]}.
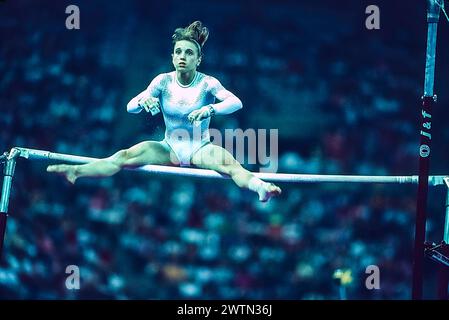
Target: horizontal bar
{"type": "Point", "coordinates": [33, 154]}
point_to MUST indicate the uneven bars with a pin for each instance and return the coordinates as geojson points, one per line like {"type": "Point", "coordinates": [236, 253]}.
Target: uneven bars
{"type": "Point", "coordinates": [33, 154]}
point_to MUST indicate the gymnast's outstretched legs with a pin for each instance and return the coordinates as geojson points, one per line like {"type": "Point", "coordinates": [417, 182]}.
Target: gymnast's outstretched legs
{"type": "Point", "coordinates": [219, 159]}
{"type": "Point", "coordinates": [147, 152]}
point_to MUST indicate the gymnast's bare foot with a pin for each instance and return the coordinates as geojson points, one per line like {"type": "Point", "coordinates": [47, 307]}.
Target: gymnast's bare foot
{"type": "Point", "coordinates": [68, 171]}
{"type": "Point", "coordinates": [267, 191]}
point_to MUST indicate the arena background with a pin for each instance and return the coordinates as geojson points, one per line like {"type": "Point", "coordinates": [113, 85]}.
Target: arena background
{"type": "Point", "coordinates": [346, 100]}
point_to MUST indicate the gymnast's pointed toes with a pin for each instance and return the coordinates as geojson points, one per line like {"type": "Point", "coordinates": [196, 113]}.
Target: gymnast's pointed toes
{"type": "Point", "coordinates": [71, 179]}
{"type": "Point", "coordinates": [274, 189]}
{"type": "Point", "coordinates": [53, 168]}
{"type": "Point", "coordinates": [270, 191]}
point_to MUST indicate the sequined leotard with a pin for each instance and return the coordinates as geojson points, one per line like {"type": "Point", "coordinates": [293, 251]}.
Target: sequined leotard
{"type": "Point", "coordinates": [177, 101]}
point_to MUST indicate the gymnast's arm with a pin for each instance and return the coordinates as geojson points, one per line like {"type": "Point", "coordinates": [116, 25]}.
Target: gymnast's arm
{"type": "Point", "coordinates": [229, 102]}
{"type": "Point", "coordinates": [147, 98]}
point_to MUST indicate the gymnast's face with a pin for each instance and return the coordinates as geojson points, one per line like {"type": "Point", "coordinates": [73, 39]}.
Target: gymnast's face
{"type": "Point", "coordinates": [185, 56]}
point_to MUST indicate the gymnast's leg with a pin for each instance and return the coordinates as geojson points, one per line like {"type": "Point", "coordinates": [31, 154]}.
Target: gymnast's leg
{"type": "Point", "coordinates": [147, 152]}
{"type": "Point", "coordinates": [216, 158]}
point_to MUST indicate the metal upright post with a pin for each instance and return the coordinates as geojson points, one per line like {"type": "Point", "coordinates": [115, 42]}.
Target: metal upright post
{"type": "Point", "coordinates": [433, 13]}
{"type": "Point", "coordinates": [443, 272]}
{"type": "Point", "coordinates": [8, 172]}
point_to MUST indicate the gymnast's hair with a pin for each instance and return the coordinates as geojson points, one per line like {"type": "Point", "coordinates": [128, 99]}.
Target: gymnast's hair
{"type": "Point", "coordinates": [195, 33]}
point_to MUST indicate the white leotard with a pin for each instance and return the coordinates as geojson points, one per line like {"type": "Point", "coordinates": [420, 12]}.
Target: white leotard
{"type": "Point", "coordinates": [178, 101]}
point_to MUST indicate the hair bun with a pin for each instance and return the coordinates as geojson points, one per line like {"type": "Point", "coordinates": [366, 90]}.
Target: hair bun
{"type": "Point", "coordinates": [195, 31]}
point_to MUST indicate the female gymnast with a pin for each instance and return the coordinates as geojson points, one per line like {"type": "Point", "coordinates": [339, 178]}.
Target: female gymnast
{"type": "Point", "coordinates": [187, 99]}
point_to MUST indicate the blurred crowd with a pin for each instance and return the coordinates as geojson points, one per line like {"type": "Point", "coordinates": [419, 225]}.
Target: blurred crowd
{"type": "Point", "coordinates": [344, 103]}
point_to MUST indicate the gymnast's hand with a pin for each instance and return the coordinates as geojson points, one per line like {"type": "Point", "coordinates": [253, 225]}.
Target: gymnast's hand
{"type": "Point", "coordinates": [150, 104]}
{"type": "Point", "coordinates": [199, 114]}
